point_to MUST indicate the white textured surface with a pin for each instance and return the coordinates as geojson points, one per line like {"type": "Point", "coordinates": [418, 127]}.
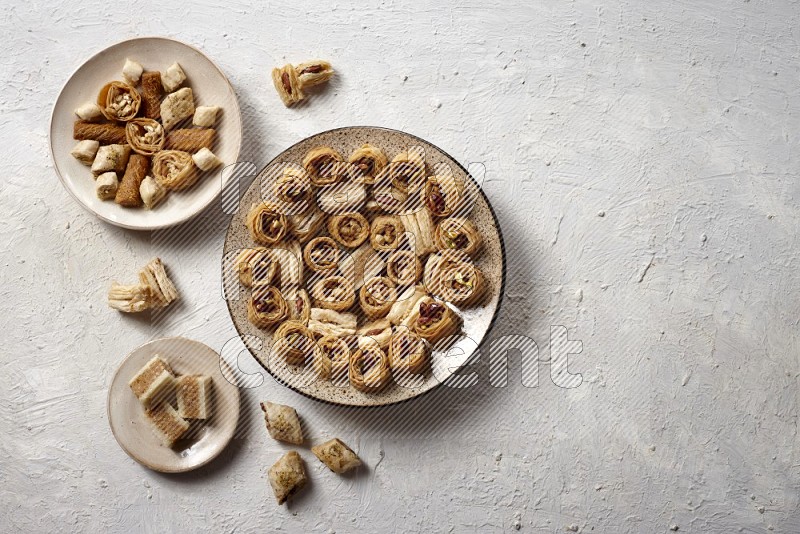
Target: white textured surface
{"type": "Point", "coordinates": [677, 120]}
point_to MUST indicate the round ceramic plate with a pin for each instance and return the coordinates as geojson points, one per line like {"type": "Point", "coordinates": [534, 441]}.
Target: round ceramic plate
{"type": "Point", "coordinates": [133, 431]}
{"type": "Point", "coordinates": [477, 320]}
{"type": "Point", "coordinates": [210, 87]}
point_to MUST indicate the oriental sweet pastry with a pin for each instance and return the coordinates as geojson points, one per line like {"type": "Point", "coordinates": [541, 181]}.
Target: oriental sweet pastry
{"type": "Point", "coordinates": [330, 238]}
{"type": "Point", "coordinates": [370, 161]}
{"type": "Point", "coordinates": [154, 290]}
{"type": "Point", "coordinates": [289, 81]}
{"type": "Point", "coordinates": [139, 130]}
{"type": "Point", "coordinates": [321, 254]}
{"type": "Point", "coordinates": [333, 293]}
{"type": "Point", "coordinates": [146, 136]}
{"type": "Point", "coordinates": [386, 232]}
{"type": "Point", "coordinates": [349, 229]}
{"type": "Point", "coordinates": [369, 368]}
{"type": "Point", "coordinates": [287, 476]}
{"type": "Point", "coordinates": [266, 223]}
{"type": "Point", "coordinates": [167, 424]}
{"type": "Point", "coordinates": [194, 396]}
{"type": "Point", "coordinates": [154, 382]}
{"type": "Point", "coordinates": [321, 165]}
{"type": "Point", "coordinates": [403, 267]}
{"type": "Point", "coordinates": [266, 306]}
{"type": "Point", "coordinates": [336, 455]}
{"type": "Point", "coordinates": [408, 352]}
{"type": "Point", "coordinates": [282, 423]}
{"type": "Point", "coordinates": [119, 101]}
{"type": "Point", "coordinates": [376, 296]}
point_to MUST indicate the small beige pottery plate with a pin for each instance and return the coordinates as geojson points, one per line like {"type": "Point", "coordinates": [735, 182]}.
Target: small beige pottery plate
{"type": "Point", "coordinates": [210, 87]}
{"type": "Point", "coordinates": [132, 430]}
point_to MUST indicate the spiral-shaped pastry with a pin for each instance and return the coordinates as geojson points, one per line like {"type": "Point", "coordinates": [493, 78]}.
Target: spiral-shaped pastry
{"type": "Point", "coordinates": [462, 284]}
{"type": "Point", "coordinates": [119, 101]}
{"type": "Point", "coordinates": [378, 331]}
{"type": "Point", "coordinates": [174, 169]}
{"type": "Point", "coordinates": [386, 232]}
{"type": "Point", "coordinates": [433, 320]}
{"type": "Point", "coordinates": [333, 293]}
{"type": "Point", "coordinates": [369, 368]}
{"type": "Point", "coordinates": [407, 352]}
{"type": "Point", "coordinates": [255, 265]}
{"type": "Point", "coordinates": [442, 195]}
{"type": "Point", "coordinates": [403, 267]}
{"type": "Point", "coordinates": [293, 341]}
{"type": "Point", "coordinates": [349, 229]}
{"type": "Point", "coordinates": [293, 185]}
{"type": "Point", "coordinates": [266, 223]}
{"type": "Point", "coordinates": [334, 358]}
{"type": "Point", "coordinates": [298, 304]}
{"type": "Point", "coordinates": [322, 254]}
{"type": "Point", "coordinates": [376, 296]}
{"type": "Point", "coordinates": [321, 165]}
{"type": "Point", "coordinates": [146, 136]}
{"type": "Point", "coordinates": [266, 306]}
{"type": "Point", "coordinates": [406, 172]}
{"type": "Point", "coordinates": [369, 160]}
{"type": "Point", "coordinates": [457, 233]}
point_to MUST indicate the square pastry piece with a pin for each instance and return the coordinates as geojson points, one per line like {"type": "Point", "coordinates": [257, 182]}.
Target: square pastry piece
{"type": "Point", "coordinates": [167, 424]}
{"type": "Point", "coordinates": [282, 423]}
{"type": "Point", "coordinates": [176, 107]}
{"type": "Point", "coordinates": [337, 456]}
{"type": "Point", "coordinates": [153, 382]}
{"type": "Point", "coordinates": [287, 476]}
{"type": "Point", "coordinates": [194, 396]}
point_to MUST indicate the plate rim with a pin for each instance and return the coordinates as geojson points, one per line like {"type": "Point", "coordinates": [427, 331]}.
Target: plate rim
{"type": "Point", "coordinates": [142, 461]}
{"type": "Point", "coordinates": [503, 276]}
{"type": "Point", "coordinates": [61, 176]}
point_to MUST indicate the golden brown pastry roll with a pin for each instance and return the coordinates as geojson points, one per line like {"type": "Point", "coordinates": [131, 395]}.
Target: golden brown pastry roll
{"type": "Point", "coordinates": [333, 293]}
{"type": "Point", "coordinates": [255, 265]}
{"type": "Point", "coordinates": [403, 267]}
{"type": "Point", "coordinates": [369, 368]}
{"type": "Point", "coordinates": [349, 229]}
{"type": "Point", "coordinates": [324, 322]}
{"type": "Point", "coordinates": [310, 73]}
{"type": "Point", "coordinates": [377, 296]}
{"type": "Point", "coordinates": [378, 331]}
{"type": "Point", "coordinates": [266, 306]}
{"type": "Point", "coordinates": [266, 223]}
{"type": "Point", "coordinates": [146, 136]}
{"type": "Point", "coordinates": [453, 277]}
{"type": "Point", "coordinates": [386, 232]}
{"type": "Point", "coordinates": [119, 101]}
{"type": "Point", "coordinates": [321, 165]}
{"type": "Point", "coordinates": [287, 85]}
{"type": "Point", "coordinates": [105, 134]}
{"type": "Point", "coordinates": [407, 352]}
{"type": "Point", "coordinates": [406, 171]}
{"type": "Point", "coordinates": [401, 311]}
{"type": "Point", "coordinates": [443, 195]}
{"type": "Point", "coordinates": [420, 225]}
{"type": "Point", "coordinates": [190, 139]}
{"type": "Point", "coordinates": [456, 233]}
{"type": "Point", "coordinates": [334, 354]}
{"type": "Point", "coordinates": [433, 320]}
{"type": "Point", "coordinates": [322, 254]}
{"type": "Point", "coordinates": [299, 304]}
{"type": "Point", "coordinates": [293, 185]}
{"type": "Point", "coordinates": [174, 169]}
{"type": "Point", "coordinates": [151, 94]}
{"type": "Point", "coordinates": [293, 341]}
{"type": "Point", "coordinates": [305, 226]}
{"type": "Point", "coordinates": [128, 190]}
{"type": "Point", "coordinates": [369, 160]}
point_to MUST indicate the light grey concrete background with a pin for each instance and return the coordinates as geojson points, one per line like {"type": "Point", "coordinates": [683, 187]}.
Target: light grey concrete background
{"type": "Point", "coordinates": [643, 160]}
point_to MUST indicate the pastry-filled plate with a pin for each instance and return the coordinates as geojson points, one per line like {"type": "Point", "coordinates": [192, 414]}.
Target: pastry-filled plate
{"type": "Point", "coordinates": [275, 301]}
{"type": "Point", "coordinates": [210, 88]}
{"type": "Point", "coordinates": [204, 440]}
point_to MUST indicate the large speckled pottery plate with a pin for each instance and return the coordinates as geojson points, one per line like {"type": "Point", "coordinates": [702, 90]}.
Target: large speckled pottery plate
{"type": "Point", "coordinates": [210, 87]}
{"type": "Point", "coordinates": [444, 361]}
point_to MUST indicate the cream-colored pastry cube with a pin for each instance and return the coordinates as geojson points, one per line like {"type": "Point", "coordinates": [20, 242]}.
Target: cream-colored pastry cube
{"type": "Point", "coordinates": [194, 396]}
{"type": "Point", "coordinates": [336, 455]}
{"type": "Point", "coordinates": [85, 151]}
{"type": "Point", "coordinates": [132, 71]}
{"type": "Point", "coordinates": [111, 158]}
{"type": "Point", "coordinates": [89, 112]}
{"type": "Point", "coordinates": [282, 422]}
{"type": "Point", "coordinates": [205, 116]}
{"type": "Point", "coordinates": [151, 192]}
{"type": "Point", "coordinates": [287, 476]}
{"type": "Point", "coordinates": [172, 78]}
{"type": "Point", "coordinates": [176, 107]}
{"type": "Point", "coordinates": [205, 160]}
{"type": "Point", "coordinates": [106, 185]}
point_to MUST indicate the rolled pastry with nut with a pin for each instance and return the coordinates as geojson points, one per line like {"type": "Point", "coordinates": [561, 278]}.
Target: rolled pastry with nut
{"type": "Point", "coordinates": [442, 194]}
{"type": "Point", "coordinates": [287, 85]}
{"type": "Point", "coordinates": [433, 320]}
{"type": "Point", "coordinates": [293, 342]}
{"type": "Point", "coordinates": [266, 306]}
{"type": "Point", "coordinates": [106, 186]}
{"type": "Point", "coordinates": [151, 192]}
{"type": "Point", "coordinates": [334, 354]}
{"type": "Point", "coordinates": [293, 185]}
{"type": "Point", "coordinates": [266, 223]}
{"type": "Point", "coordinates": [321, 254]}
{"type": "Point", "coordinates": [378, 331]}
{"type": "Point", "coordinates": [333, 293]}
{"type": "Point", "coordinates": [370, 161]}
{"type": "Point", "coordinates": [457, 233]}
{"type": "Point", "coordinates": [408, 352]}
{"type": "Point", "coordinates": [146, 136]}
{"type": "Point", "coordinates": [386, 232]}
{"type": "Point", "coordinates": [349, 229]}
{"type": "Point", "coordinates": [119, 101]}
{"type": "Point", "coordinates": [174, 169]}
{"type": "Point", "coordinates": [254, 265]}
{"type": "Point", "coordinates": [305, 226]}
{"type": "Point", "coordinates": [128, 194]}
{"type": "Point", "coordinates": [321, 165]}
{"type": "Point", "coordinates": [369, 369]}
{"type": "Point", "coordinates": [298, 303]}
{"type": "Point", "coordinates": [377, 296]}
{"type": "Point", "coordinates": [310, 73]}
{"type": "Point", "coordinates": [403, 267]}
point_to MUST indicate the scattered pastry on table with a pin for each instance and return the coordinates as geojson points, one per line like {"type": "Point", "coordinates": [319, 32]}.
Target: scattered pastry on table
{"type": "Point", "coordinates": [282, 423]}
{"type": "Point", "coordinates": [290, 80]}
{"type": "Point", "coordinates": [337, 456]}
{"type": "Point", "coordinates": [154, 290]}
{"type": "Point", "coordinates": [287, 476]}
